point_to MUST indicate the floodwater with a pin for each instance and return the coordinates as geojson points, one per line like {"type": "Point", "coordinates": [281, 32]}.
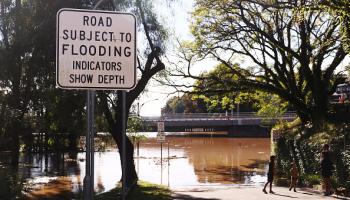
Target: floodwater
{"type": "Point", "coordinates": [186, 161]}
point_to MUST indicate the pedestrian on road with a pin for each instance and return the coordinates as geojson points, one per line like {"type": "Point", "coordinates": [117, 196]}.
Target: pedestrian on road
{"type": "Point", "coordinates": [294, 174]}
{"type": "Point", "coordinates": [270, 174]}
{"type": "Point", "coordinates": [326, 169]}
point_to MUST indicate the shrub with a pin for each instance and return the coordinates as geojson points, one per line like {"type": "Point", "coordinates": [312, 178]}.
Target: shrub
{"type": "Point", "coordinates": [282, 182]}
{"type": "Point", "coordinates": [311, 179]}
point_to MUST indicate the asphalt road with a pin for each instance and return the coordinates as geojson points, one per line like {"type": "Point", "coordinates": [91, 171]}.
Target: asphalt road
{"type": "Point", "coordinates": [246, 192]}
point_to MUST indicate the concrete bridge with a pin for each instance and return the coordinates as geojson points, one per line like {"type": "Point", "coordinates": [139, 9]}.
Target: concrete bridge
{"type": "Point", "coordinates": [244, 124]}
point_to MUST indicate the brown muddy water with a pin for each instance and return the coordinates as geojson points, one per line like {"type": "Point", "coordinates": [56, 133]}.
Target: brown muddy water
{"type": "Point", "coordinates": [190, 161]}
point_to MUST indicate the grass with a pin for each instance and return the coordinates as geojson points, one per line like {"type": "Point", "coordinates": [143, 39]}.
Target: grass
{"type": "Point", "coordinates": [143, 191]}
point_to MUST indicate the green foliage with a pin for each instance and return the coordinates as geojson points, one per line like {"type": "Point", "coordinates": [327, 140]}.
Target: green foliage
{"type": "Point", "coordinates": [135, 125]}
{"type": "Point", "coordinates": [338, 113]}
{"type": "Point", "coordinates": [304, 145]}
{"type": "Point", "coordinates": [218, 96]}
{"type": "Point", "coordinates": [11, 185]}
{"type": "Point", "coordinates": [4, 120]}
{"type": "Point", "coordinates": [50, 142]}
{"type": "Point", "coordinates": [27, 63]}
{"type": "Point", "coordinates": [216, 91]}
{"type": "Point", "coordinates": [341, 9]}
{"type": "Point", "coordinates": [312, 179]}
{"type": "Point", "coordinates": [270, 105]}
{"type": "Point", "coordinates": [284, 182]}
{"type": "Point", "coordinates": [187, 103]}
{"type": "Point", "coordinates": [282, 125]}
{"type": "Point", "coordinates": [284, 157]}
{"type": "Point", "coordinates": [142, 191]}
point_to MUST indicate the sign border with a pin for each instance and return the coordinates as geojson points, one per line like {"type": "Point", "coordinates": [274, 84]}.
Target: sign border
{"type": "Point", "coordinates": [57, 53]}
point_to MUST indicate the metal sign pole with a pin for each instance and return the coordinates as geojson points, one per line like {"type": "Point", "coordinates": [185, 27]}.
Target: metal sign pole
{"type": "Point", "coordinates": [161, 152]}
{"type": "Point", "coordinates": [90, 146]}
{"type": "Point", "coordinates": [92, 142]}
{"type": "Point", "coordinates": [89, 163]}
{"type": "Point", "coordinates": [123, 144]}
{"type": "Point", "coordinates": [161, 162]}
{"type": "Point", "coordinates": [87, 149]}
{"type": "Point", "coordinates": [168, 166]}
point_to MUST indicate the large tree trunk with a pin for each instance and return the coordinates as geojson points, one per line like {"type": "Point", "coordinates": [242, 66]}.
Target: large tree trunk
{"type": "Point", "coordinates": [131, 175]}
{"type": "Point", "coordinates": [318, 117]}
{"type": "Point", "coordinates": [117, 130]}
{"type": "Point", "coordinates": [320, 92]}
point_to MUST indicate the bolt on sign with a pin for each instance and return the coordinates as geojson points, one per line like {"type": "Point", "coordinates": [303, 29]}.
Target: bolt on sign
{"type": "Point", "coordinates": [95, 50]}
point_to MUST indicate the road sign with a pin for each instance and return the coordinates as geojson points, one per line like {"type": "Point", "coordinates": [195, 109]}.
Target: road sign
{"type": "Point", "coordinates": [160, 134]}
{"type": "Point", "coordinates": [161, 137]}
{"type": "Point", "coordinates": [160, 127]}
{"type": "Point", "coordinates": [95, 50]}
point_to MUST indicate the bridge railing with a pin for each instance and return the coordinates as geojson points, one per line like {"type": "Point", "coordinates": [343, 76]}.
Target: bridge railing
{"type": "Point", "coordinates": [213, 116]}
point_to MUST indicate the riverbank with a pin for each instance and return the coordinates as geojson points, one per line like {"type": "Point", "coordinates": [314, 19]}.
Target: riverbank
{"type": "Point", "coordinates": [142, 191]}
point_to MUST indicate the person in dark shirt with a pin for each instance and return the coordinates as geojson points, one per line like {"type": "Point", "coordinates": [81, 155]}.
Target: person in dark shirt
{"type": "Point", "coordinates": [326, 169]}
{"type": "Point", "coordinates": [270, 174]}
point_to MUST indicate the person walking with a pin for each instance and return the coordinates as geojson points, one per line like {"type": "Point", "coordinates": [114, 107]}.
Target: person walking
{"type": "Point", "coordinates": [294, 174]}
{"type": "Point", "coordinates": [270, 174]}
{"type": "Point", "coordinates": [326, 169]}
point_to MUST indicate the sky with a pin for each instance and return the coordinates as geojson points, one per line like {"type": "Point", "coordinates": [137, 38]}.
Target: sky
{"type": "Point", "coordinates": [176, 20]}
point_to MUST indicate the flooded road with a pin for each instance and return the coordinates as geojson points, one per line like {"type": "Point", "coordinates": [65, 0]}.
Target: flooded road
{"type": "Point", "coordinates": [197, 161]}
{"type": "Point", "coordinates": [190, 161]}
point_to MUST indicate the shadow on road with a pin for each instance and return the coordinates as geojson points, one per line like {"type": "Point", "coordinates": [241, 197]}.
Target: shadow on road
{"type": "Point", "coordinates": [188, 197]}
{"type": "Point", "coordinates": [283, 195]}
{"type": "Point", "coordinates": [307, 193]}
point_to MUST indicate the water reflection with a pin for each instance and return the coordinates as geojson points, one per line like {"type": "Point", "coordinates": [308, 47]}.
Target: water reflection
{"type": "Point", "coordinates": [196, 161]}
{"type": "Point", "coordinates": [190, 161]}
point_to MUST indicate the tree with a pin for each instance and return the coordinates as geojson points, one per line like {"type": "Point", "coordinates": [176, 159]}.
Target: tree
{"type": "Point", "coordinates": [150, 64]}
{"type": "Point", "coordinates": [187, 103]}
{"type": "Point", "coordinates": [14, 59]}
{"type": "Point", "coordinates": [220, 95]}
{"type": "Point", "coordinates": [4, 115]}
{"type": "Point", "coordinates": [215, 89]}
{"type": "Point", "coordinates": [173, 105]}
{"type": "Point", "coordinates": [54, 110]}
{"type": "Point", "coordinates": [270, 106]}
{"type": "Point", "coordinates": [135, 125]}
{"type": "Point", "coordinates": [27, 55]}
{"type": "Point", "coordinates": [339, 8]}
{"type": "Point", "coordinates": [293, 52]}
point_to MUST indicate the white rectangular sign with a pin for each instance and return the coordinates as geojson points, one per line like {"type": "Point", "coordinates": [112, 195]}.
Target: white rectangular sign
{"type": "Point", "coordinates": [95, 50]}
{"type": "Point", "coordinates": [160, 127]}
{"type": "Point", "coordinates": [161, 137]}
